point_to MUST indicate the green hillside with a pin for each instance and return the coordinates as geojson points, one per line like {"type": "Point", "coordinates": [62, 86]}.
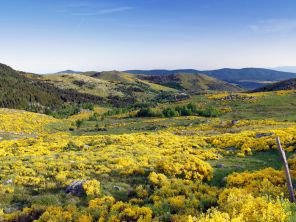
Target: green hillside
{"type": "Point", "coordinates": [289, 84]}
{"type": "Point", "coordinates": [19, 92]}
{"type": "Point", "coordinates": [109, 85]}
{"type": "Point", "coordinates": [249, 78]}
{"type": "Point", "coordinates": [30, 92]}
{"type": "Point", "coordinates": [191, 83]}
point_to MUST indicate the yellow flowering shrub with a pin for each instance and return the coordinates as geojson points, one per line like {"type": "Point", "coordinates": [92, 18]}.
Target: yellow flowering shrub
{"type": "Point", "coordinates": [284, 92]}
{"type": "Point", "coordinates": [56, 214]}
{"type": "Point", "coordinates": [276, 177]}
{"type": "Point", "coordinates": [102, 203]}
{"type": "Point", "coordinates": [83, 115]}
{"type": "Point", "coordinates": [144, 176]}
{"type": "Point", "coordinates": [239, 203]}
{"type": "Point", "coordinates": [16, 121]}
{"type": "Point", "coordinates": [266, 182]}
{"type": "Point", "coordinates": [185, 166]}
{"type": "Point", "coordinates": [141, 192]}
{"type": "Point", "coordinates": [92, 187]}
{"type": "Point", "coordinates": [158, 179]}
{"type": "Point", "coordinates": [214, 215]}
{"type": "Point", "coordinates": [185, 197]}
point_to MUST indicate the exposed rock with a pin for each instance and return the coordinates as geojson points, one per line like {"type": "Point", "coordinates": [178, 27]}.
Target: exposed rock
{"type": "Point", "coordinates": [118, 188]}
{"type": "Point", "coordinates": [181, 96]}
{"type": "Point", "coordinates": [236, 97]}
{"type": "Point", "coordinates": [224, 180]}
{"type": "Point", "coordinates": [234, 122]}
{"type": "Point", "coordinates": [230, 149]}
{"type": "Point", "coordinates": [10, 210]}
{"type": "Point", "coordinates": [10, 181]}
{"type": "Point", "coordinates": [76, 188]}
{"type": "Point", "coordinates": [260, 135]}
{"type": "Point", "coordinates": [220, 165]}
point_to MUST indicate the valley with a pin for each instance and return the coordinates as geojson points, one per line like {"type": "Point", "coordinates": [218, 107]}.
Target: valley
{"type": "Point", "coordinates": [126, 147]}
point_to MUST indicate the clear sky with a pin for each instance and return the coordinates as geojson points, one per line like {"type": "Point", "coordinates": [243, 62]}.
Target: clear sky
{"type": "Point", "coordinates": [51, 35]}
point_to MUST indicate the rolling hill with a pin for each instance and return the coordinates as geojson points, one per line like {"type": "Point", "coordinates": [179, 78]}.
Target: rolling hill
{"type": "Point", "coordinates": [191, 83]}
{"type": "Point", "coordinates": [69, 71]}
{"type": "Point", "coordinates": [17, 91]}
{"type": "Point", "coordinates": [41, 92]}
{"type": "Point", "coordinates": [137, 89]}
{"type": "Point", "coordinates": [289, 84]}
{"type": "Point", "coordinates": [140, 87]}
{"type": "Point", "coordinates": [249, 78]}
{"type": "Point", "coordinates": [29, 91]}
{"type": "Point", "coordinates": [109, 85]}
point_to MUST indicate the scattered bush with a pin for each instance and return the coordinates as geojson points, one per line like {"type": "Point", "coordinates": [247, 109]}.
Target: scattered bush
{"type": "Point", "coordinates": [148, 112]}
{"type": "Point", "coordinates": [79, 123]}
{"type": "Point", "coordinates": [188, 110]}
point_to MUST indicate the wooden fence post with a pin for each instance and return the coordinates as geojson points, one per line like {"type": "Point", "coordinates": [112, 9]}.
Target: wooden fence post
{"type": "Point", "coordinates": [286, 166]}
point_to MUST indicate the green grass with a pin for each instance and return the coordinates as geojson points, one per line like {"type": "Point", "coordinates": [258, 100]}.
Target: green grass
{"type": "Point", "coordinates": [257, 161]}
{"type": "Point", "coordinates": [271, 106]}
{"type": "Point", "coordinates": [133, 125]}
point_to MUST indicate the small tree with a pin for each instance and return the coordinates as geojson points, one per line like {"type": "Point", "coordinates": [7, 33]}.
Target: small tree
{"type": "Point", "coordinates": [79, 123]}
{"type": "Point", "coordinates": [170, 112]}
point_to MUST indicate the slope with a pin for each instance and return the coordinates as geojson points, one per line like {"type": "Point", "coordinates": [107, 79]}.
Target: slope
{"type": "Point", "coordinates": [109, 85]}
{"type": "Point", "coordinates": [19, 92]}
{"type": "Point", "coordinates": [191, 83]}
{"type": "Point", "coordinates": [28, 91]}
{"type": "Point", "coordinates": [249, 78]}
{"type": "Point", "coordinates": [289, 84]}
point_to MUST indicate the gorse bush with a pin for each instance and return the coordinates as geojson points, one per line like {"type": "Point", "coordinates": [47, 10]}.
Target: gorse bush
{"type": "Point", "coordinates": [165, 175]}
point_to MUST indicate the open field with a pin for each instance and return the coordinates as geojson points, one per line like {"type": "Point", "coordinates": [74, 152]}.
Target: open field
{"type": "Point", "coordinates": [186, 168]}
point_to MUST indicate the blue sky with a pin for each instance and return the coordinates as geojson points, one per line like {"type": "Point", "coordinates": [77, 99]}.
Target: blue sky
{"type": "Point", "coordinates": [50, 35]}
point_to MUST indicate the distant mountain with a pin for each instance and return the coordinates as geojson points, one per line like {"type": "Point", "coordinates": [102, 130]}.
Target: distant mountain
{"type": "Point", "coordinates": [191, 83]}
{"type": "Point", "coordinates": [289, 84]}
{"type": "Point", "coordinates": [163, 71]}
{"type": "Point", "coordinates": [69, 72]}
{"type": "Point", "coordinates": [286, 68]}
{"type": "Point", "coordinates": [249, 78]}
